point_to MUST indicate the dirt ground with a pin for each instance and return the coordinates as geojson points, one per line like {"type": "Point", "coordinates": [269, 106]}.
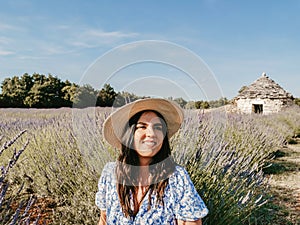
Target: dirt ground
{"type": "Point", "coordinates": [286, 184]}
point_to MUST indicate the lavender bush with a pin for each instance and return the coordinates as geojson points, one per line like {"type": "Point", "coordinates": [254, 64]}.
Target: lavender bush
{"type": "Point", "coordinates": [13, 210]}
{"type": "Point", "coordinates": [224, 154]}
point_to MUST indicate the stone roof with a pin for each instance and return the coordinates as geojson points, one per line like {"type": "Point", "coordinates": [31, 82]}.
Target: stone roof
{"type": "Point", "coordinates": [263, 88]}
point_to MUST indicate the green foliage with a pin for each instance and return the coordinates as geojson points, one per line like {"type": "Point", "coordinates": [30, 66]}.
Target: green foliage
{"type": "Point", "coordinates": [15, 89]}
{"type": "Point", "coordinates": [85, 96]}
{"type": "Point", "coordinates": [41, 91]}
{"type": "Point", "coordinates": [276, 165]}
{"type": "Point", "coordinates": [224, 155]}
{"type": "Point", "coordinates": [206, 104]}
{"type": "Point", "coordinates": [274, 168]}
{"type": "Point", "coordinates": [291, 141]}
{"type": "Point", "coordinates": [297, 101]}
{"type": "Point", "coordinates": [201, 104]}
{"type": "Point", "coordinates": [4, 101]}
{"type": "Point", "coordinates": [13, 209]}
{"type": "Point", "coordinates": [124, 97]}
{"type": "Point", "coordinates": [180, 102]}
{"type": "Point", "coordinates": [106, 96]}
{"type": "Point", "coordinates": [269, 214]}
{"type": "Point", "coordinates": [225, 166]}
{"type": "Point", "coordinates": [58, 164]}
{"type": "Point", "coordinates": [37, 91]}
{"type": "Point", "coordinates": [46, 92]}
{"type": "Point", "coordinates": [69, 93]}
{"type": "Point", "coordinates": [218, 103]}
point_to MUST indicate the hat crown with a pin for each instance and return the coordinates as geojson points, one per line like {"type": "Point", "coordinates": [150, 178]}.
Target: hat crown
{"type": "Point", "coordinates": [115, 124]}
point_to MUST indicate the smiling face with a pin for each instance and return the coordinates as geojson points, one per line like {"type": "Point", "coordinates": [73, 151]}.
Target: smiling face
{"type": "Point", "coordinates": [148, 136]}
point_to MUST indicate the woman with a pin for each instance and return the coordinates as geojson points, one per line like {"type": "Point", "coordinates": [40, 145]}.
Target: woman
{"type": "Point", "coordinates": [145, 186]}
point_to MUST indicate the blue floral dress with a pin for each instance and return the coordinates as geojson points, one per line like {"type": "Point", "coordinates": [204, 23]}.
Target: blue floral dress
{"type": "Point", "coordinates": [181, 201]}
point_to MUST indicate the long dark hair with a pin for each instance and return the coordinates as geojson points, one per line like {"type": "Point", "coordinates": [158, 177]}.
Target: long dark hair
{"type": "Point", "coordinates": [161, 167]}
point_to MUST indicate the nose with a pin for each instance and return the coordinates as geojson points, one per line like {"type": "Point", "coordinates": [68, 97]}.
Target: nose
{"type": "Point", "coordinates": [150, 131]}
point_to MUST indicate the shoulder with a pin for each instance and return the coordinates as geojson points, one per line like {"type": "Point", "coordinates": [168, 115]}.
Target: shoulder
{"type": "Point", "coordinates": [187, 203]}
{"type": "Point", "coordinates": [108, 169]}
{"type": "Point", "coordinates": [180, 176]}
{"type": "Point", "coordinates": [180, 171]}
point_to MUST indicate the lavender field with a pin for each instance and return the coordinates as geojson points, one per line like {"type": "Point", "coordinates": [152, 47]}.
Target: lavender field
{"type": "Point", "coordinates": [52, 158]}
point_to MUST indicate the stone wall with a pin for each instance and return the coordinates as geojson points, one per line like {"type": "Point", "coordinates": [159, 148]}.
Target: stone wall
{"type": "Point", "coordinates": [268, 105]}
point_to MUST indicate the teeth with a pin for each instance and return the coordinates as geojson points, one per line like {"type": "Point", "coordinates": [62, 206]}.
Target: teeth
{"type": "Point", "coordinates": [150, 143]}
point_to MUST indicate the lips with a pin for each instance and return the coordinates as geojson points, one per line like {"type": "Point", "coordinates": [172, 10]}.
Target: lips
{"type": "Point", "coordinates": [149, 143]}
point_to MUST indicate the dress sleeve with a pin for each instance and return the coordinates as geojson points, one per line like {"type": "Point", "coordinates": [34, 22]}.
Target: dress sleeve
{"type": "Point", "coordinates": [188, 204]}
{"type": "Point", "coordinates": [100, 199]}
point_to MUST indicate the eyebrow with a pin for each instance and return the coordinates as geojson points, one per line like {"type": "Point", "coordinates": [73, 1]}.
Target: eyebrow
{"type": "Point", "coordinates": [144, 123]}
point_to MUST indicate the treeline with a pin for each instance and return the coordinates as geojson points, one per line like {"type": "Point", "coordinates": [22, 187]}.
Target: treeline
{"type": "Point", "coordinates": [41, 91]}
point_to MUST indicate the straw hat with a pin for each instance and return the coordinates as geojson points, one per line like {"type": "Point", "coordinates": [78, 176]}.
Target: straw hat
{"type": "Point", "coordinates": [115, 124]}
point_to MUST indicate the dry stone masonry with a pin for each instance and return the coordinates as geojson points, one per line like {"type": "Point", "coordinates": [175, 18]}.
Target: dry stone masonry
{"type": "Point", "coordinates": [263, 96]}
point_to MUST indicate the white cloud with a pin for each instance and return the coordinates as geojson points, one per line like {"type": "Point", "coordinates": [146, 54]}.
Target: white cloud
{"type": "Point", "coordinates": [4, 26]}
{"type": "Point", "coordinates": [113, 34]}
{"type": "Point", "coordinates": [82, 44]}
{"type": "Point", "coordinates": [90, 38]}
{"type": "Point", "coordinates": [4, 40]}
{"type": "Point", "coordinates": [6, 53]}
{"type": "Point", "coordinates": [82, 37]}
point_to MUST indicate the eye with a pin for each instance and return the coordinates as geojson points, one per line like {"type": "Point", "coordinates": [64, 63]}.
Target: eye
{"type": "Point", "coordinates": [158, 127]}
{"type": "Point", "coordinates": [140, 126]}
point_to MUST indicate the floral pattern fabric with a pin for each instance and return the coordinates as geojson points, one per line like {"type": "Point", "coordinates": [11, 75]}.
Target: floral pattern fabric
{"type": "Point", "coordinates": [181, 201]}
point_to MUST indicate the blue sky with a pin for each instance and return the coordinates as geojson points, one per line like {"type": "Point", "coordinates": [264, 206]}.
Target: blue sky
{"type": "Point", "coordinates": [236, 40]}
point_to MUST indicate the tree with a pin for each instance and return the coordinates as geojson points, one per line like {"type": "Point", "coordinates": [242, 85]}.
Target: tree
{"type": "Point", "coordinates": [4, 102]}
{"type": "Point", "coordinates": [180, 102]}
{"type": "Point", "coordinates": [217, 103]}
{"type": "Point", "coordinates": [69, 93]}
{"type": "Point", "coordinates": [297, 101]}
{"type": "Point", "coordinates": [34, 97]}
{"type": "Point", "coordinates": [125, 97]}
{"type": "Point", "coordinates": [15, 89]}
{"type": "Point", "coordinates": [201, 104]}
{"type": "Point", "coordinates": [26, 82]}
{"type": "Point", "coordinates": [106, 96]}
{"type": "Point", "coordinates": [190, 105]}
{"type": "Point", "coordinates": [46, 92]}
{"type": "Point", "coordinates": [205, 105]}
{"type": "Point", "coordinates": [85, 96]}
{"type": "Point", "coordinates": [42, 91]}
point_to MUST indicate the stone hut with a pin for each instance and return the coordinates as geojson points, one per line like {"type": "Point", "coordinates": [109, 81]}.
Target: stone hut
{"type": "Point", "coordinates": [263, 96]}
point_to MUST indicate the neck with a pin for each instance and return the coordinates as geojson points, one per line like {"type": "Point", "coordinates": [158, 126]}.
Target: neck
{"type": "Point", "coordinates": [144, 176]}
{"type": "Point", "coordinates": [145, 161]}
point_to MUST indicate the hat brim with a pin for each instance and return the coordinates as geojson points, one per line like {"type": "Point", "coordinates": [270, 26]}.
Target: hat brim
{"type": "Point", "coordinates": [115, 124]}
